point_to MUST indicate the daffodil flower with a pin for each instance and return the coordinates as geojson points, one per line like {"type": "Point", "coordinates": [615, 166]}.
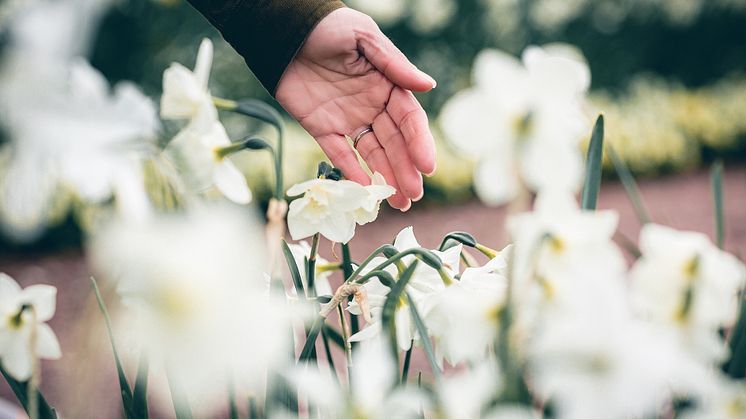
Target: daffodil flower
{"type": "Point", "coordinates": [24, 335]}
{"type": "Point", "coordinates": [522, 121]}
{"type": "Point", "coordinates": [198, 150]}
{"type": "Point", "coordinates": [683, 280]}
{"type": "Point", "coordinates": [185, 92]}
{"type": "Point", "coordinates": [424, 285]}
{"type": "Point", "coordinates": [333, 208]}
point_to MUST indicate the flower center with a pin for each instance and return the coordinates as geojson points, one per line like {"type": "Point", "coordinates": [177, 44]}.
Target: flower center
{"type": "Point", "coordinates": [523, 125]}
{"type": "Point", "coordinates": [15, 322]}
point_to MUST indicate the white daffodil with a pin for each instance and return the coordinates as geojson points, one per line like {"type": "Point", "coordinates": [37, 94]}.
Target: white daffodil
{"type": "Point", "coordinates": [683, 280]}
{"type": "Point", "coordinates": [301, 252]}
{"type": "Point", "coordinates": [199, 299]}
{"type": "Point", "coordinates": [185, 93]}
{"type": "Point", "coordinates": [333, 208]}
{"type": "Point", "coordinates": [198, 151]}
{"type": "Point", "coordinates": [557, 244]}
{"type": "Point", "coordinates": [92, 143]}
{"type": "Point", "coordinates": [372, 395]}
{"type": "Point", "coordinates": [522, 121]}
{"type": "Point", "coordinates": [24, 335]}
{"type": "Point", "coordinates": [426, 282]}
{"type": "Point", "coordinates": [464, 316]}
{"type": "Point", "coordinates": [597, 361]}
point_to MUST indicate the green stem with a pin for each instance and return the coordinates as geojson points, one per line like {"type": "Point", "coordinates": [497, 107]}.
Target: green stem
{"type": "Point", "coordinates": [423, 254]}
{"type": "Point", "coordinates": [225, 104]}
{"type": "Point", "coordinates": [347, 346]}
{"type": "Point", "coordinates": [490, 253]}
{"type": "Point", "coordinates": [347, 271]}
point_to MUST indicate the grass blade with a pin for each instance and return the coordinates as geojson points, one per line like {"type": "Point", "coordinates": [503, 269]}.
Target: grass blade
{"type": "Point", "coordinates": [629, 184]}
{"type": "Point", "coordinates": [717, 197]}
{"type": "Point", "coordinates": [124, 386]}
{"type": "Point", "coordinates": [294, 272]}
{"type": "Point", "coordinates": [426, 344]}
{"type": "Point", "coordinates": [388, 313]}
{"type": "Point", "coordinates": [405, 368]}
{"type": "Point", "coordinates": [140, 393]}
{"type": "Point", "coordinates": [20, 390]}
{"type": "Point", "coordinates": [593, 166]}
{"type": "Point", "coordinates": [310, 346]}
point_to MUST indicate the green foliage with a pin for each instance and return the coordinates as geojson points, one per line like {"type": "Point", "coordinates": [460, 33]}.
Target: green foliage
{"type": "Point", "coordinates": [594, 166]}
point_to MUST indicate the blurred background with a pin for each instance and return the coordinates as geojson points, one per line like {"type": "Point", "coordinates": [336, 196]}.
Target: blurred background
{"type": "Point", "coordinates": [670, 76]}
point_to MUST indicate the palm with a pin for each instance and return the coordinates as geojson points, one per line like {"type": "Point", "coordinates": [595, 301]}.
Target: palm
{"type": "Point", "coordinates": [335, 87]}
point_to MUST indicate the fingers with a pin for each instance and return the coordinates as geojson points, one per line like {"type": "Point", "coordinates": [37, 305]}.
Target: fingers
{"type": "Point", "coordinates": [392, 141]}
{"type": "Point", "coordinates": [411, 120]}
{"type": "Point", "coordinates": [387, 58]}
{"type": "Point", "coordinates": [373, 154]}
{"type": "Point", "coordinates": [343, 157]}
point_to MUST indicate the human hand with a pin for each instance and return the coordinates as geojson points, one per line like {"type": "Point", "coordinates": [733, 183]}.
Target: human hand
{"type": "Point", "coordinates": [349, 76]}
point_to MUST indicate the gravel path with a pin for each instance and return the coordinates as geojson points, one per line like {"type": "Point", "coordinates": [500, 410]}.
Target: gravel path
{"type": "Point", "coordinates": [83, 384]}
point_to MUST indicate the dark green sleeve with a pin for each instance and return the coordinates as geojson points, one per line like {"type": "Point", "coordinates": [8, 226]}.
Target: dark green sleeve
{"type": "Point", "coordinates": [267, 33]}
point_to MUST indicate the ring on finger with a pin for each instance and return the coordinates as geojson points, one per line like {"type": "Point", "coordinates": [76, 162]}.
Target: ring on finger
{"type": "Point", "coordinates": [362, 133]}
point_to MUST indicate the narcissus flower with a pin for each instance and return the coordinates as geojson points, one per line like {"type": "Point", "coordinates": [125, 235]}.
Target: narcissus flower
{"type": "Point", "coordinates": [199, 152]}
{"type": "Point", "coordinates": [684, 281]}
{"type": "Point", "coordinates": [425, 283]}
{"type": "Point", "coordinates": [464, 317]}
{"type": "Point", "coordinates": [333, 208]}
{"type": "Point", "coordinates": [185, 92]}
{"type": "Point", "coordinates": [198, 298]}
{"type": "Point", "coordinates": [521, 121]}
{"type": "Point", "coordinates": [24, 335]}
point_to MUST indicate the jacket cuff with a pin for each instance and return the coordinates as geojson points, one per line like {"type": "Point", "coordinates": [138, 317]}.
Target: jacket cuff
{"type": "Point", "coordinates": [268, 33]}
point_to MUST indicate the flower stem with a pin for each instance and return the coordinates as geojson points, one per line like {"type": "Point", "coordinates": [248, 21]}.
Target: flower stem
{"type": "Point", "coordinates": [490, 253]}
{"type": "Point", "coordinates": [347, 345]}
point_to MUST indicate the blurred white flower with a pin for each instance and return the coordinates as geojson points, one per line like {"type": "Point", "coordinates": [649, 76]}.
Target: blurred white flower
{"type": "Point", "coordinates": [522, 121]}
{"type": "Point", "coordinates": [196, 287]}
{"type": "Point", "coordinates": [424, 284]}
{"type": "Point", "coordinates": [24, 335]}
{"type": "Point", "coordinates": [597, 361]}
{"type": "Point", "coordinates": [683, 280]}
{"type": "Point", "coordinates": [74, 134]}
{"type": "Point", "coordinates": [333, 208]}
{"type": "Point", "coordinates": [557, 245]}
{"type": "Point", "coordinates": [301, 252]}
{"type": "Point", "coordinates": [465, 395]}
{"type": "Point", "coordinates": [373, 393]}
{"type": "Point", "coordinates": [726, 400]}
{"type": "Point", "coordinates": [464, 316]}
{"type": "Point", "coordinates": [431, 15]}
{"type": "Point", "coordinates": [197, 152]}
{"type": "Point", "coordinates": [185, 92]}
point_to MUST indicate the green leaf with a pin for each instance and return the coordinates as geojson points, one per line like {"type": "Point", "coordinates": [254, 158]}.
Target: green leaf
{"type": "Point", "coordinates": [347, 271]}
{"type": "Point", "coordinates": [20, 389]}
{"type": "Point", "coordinates": [405, 368]}
{"type": "Point", "coordinates": [630, 186]}
{"type": "Point", "coordinates": [593, 166]}
{"type": "Point", "coordinates": [334, 335]}
{"type": "Point", "coordinates": [424, 337]}
{"type": "Point", "coordinates": [179, 399]}
{"type": "Point", "coordinates": [294, 272]}
{"type": "Point", "coordinates": [124, 387]}
{"type": "Point", "coordinates": [458, 237]}
{"type": "Point", "coordinates": [717, 197]}
{"type": "Point", "coordinates": [393, 299]}
{"type": "Point", "coordinates": [140, 393]}
{"type": "Point", "coordinates": [736, 365]}
{"type": "Point", "coordinates": [232, 406]}
{"type": "Point", "coordinates": [310, 345]}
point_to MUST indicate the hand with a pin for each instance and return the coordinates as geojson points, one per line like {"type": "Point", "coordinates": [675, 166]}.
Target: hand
{"type": "Point", "coordinates": [349, 76]}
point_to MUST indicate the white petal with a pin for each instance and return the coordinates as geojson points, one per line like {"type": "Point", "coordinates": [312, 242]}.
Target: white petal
{"type": "Point", "coordinates": [43, 298]}
{"type": "Point", "coordinates": [17, 359]}
{"type": "Point", "coordinates": [8, 285]}
{"type": "Point", "coordinates": [495, 180]}
{"type": "Point", "coordinates": [204, 63]}
{"type": "Point", "coordinates": [182, 93]}
{"type": "Point", "coordinates": [467, 123]}
{"type": "Point", "coordinates": [339, 228]}
{"type": "Point", "coordinates": [231, 182]}
{"type": "Point", "coordinates": [369, 332]}
{"type": "Point", "coordinates": [47, 346]}
{"type": "Point", "coordinates": [298, 225]}
{"type": "Point", "coordinates": [406, 240]}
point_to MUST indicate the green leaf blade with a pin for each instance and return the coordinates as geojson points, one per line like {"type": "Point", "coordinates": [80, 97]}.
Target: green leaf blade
{"type": "Point", "coordinates": [594, 165]}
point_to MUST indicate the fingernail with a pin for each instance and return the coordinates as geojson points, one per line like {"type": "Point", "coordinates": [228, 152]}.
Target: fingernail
{"type": "Point", "coordinates": [406, 207]}
{"type": "Point", "coordinates": [418, 197]}
{"type": "Point", "coordinates": [430, 78]}
{"type": "Point", "coordinates": [435, 168]}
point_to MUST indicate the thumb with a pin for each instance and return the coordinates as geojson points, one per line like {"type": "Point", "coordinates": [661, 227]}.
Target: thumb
{"type": "Point", "coordinates": [386, 57]}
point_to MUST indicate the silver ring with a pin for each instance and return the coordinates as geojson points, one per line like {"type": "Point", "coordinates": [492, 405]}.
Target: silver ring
{"type": "Point", "coordinates": [360, 136]}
